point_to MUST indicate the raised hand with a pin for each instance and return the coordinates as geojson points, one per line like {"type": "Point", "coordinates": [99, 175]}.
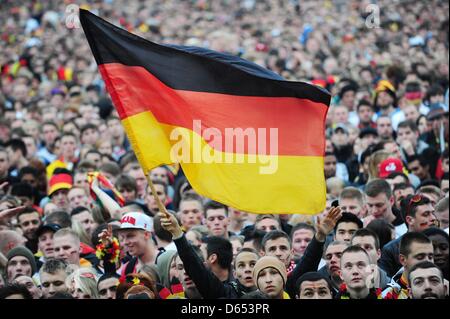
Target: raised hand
{"type": "Point", "coordinates": [170, 223]}
{"type": "Point", "coordinates": [326, 226]}
{"type": "Point", "coordinates": [8, 213]}
{"type": "Point", "coordinates": [106, 236]}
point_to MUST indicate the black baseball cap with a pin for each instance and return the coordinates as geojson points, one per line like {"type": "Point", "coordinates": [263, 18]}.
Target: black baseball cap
{"type": "Point", "coordinates": [48, 227]}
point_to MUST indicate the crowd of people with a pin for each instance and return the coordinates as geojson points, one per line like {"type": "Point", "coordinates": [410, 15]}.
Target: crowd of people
{"type": "Point", "coordinates": [78, 218]}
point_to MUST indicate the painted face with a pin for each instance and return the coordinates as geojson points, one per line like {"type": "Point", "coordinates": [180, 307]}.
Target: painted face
{"type": "Point", "coordinates": [18, 266]}
{"type": "Point", "coordinates": [280, 248]}
{"type": "Point", "coordinates": [379, 206]}
{"type": "Point", "coordinates": [66, 248]}
{"type": "Point", "coordinates": [423, 219]}
{"type": "Point", "coordinates": [333, 258]}
{"type": "Point", "coordinates": [243, 268]}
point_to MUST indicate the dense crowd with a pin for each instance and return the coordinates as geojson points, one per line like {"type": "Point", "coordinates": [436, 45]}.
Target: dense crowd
{"type": "Point", "coordinates": [79, 220]}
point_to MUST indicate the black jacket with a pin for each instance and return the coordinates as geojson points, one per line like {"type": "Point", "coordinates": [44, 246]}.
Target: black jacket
{"type": "Point", "coordinates": [209, 286]}
{"type": "Point", "coordinates": [389, 260]}
{"type": "Point", "coordinates": [309, 262]}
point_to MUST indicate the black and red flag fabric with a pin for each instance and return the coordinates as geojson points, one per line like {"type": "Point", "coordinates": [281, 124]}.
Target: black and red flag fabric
{"type": "Point", "coordinates": [243, 135]}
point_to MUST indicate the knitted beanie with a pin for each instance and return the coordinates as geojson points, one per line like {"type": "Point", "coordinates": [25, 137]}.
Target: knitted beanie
{"type": "Point", "coordinates": [266, 262]}
{"type": "Point", "coordinates": [25, 252]}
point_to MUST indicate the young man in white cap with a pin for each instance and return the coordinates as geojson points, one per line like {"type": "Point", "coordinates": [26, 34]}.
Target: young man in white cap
{"type": "Point", "coordinates": [135, 235]}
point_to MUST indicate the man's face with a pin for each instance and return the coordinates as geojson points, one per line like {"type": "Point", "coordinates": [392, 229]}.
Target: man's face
{"type": "Point", "coordinates": [81, 180]}
{"type": "Point", "coordinates": [379, 206]}
{"type": "Point", "coordinates": [29, 223]}
{"type": "Point", "coordinates": [355, 269]}
{"type": "Point", "coordinates": [134, 241]}
{"type": "Point", "coordinates": [423, 219]}
{"type": "Point", "coordinates": [191, 213]}
{"type": "Point", "coordinates": [243, 268]}
{"type": "Point", "coordinates": [351, 205]}
{"type": "Point", "coordinates": [152, 204]}
{"type": "Point", "coordinates": [68, 146]}
{"type": "Point", "coordinates": [384, 99]}
{"type": "Point", "coordinates": [368, 244]}
{"type": "Point", "coordinates": [407, 134]}
{"type": "Point", "coordinates": [340, 114]}
{"type": "Point", "coordinates": [187, 283]}
{"type": "Point", "coordinates": [340, 138]}
{"type": "Point", "coordinates": [4, 163]}
{"type": "Point", "coordinates": [86, 220]}
{"type": "Point", "coordinates": [348, 99]}
{"type": "Point", "coordinates": [315, 290]}
{"type": "Point", "coordinates": [50, 133]}
{"type": "Point", "coordinates": [400, 194]}
{"type": "Point", "coordinates": [77, 197]}
{"type": "Point", "coordinates": [444, 186]}
{"type": "Point", "coordinates": [141, 181]}
{"type": "Point", "coordinates": [237, 215]}
{"type": "Point", "coordinates": [18, 266]}
{"type": "Point", "coordinates": [30, 144]}
{"type": "Point", "coordinates": [365, 114]}
{"type": "Point", "coordinates": [107, 288]}
{"type": "Point", "coordinates": [268, 224]}
{"type": "Point", "coordinates": [300, 241]}
{"type": "Point", "coordinates": [417, 169]}
{"type": "Point", "coordinates": [440, 250]}
{"type": "Point", "coordinates": [443, 218]}
{"type": "Point", "coordinates": [45, 244]}
{"type": "Point", "coordinates": [345, 231]}
{"type": "Point", "coordinates": [53, 283]}
{"type": "Point", "coordinates": [411, 113]}
{"type": "Point", "coordinates": [333, 259]}
{"type": "Point", "coordinates": [270, 282]}
{"type": "Point", "coordinates": [31, 286]}
{"type": "Point", "coordinates": [280, 248]}
{"type": "Point", "coordinates": [418, 252]}
{"type": "Point", "coordinates": [59, 198]}
{"type": "Point", "coordinates": [384, 127]}
{"type": "Point", "coordinates": [29, 179]}
{"type": "Point", "coordinates": [67, 248]}
{"type": "Point", "coordinates": [90, 136]}
{"type": "Point", "coordinates": [217, 221]}
{"type": "Point", "coordinates": [94, 158]}
{"type": "Point", "coordinates": [427, 284]}
{"type": "Point", "coordinates": [13, 156]}
{"type": "Point", "coordinates": [115, 128]}
{"type": "Point", "coordinates": [159, 173]}
{"type": "Point", "coordinates": [393, 149]}
{"type": "Point", "coordinates": [330, 166]}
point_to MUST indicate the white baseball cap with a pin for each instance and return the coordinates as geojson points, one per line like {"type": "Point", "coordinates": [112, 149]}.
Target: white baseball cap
{"type": "Point", "coordinates": [136, 220]}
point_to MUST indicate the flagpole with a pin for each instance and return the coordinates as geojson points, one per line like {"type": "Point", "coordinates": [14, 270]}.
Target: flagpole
{"type": "Point", "coordinates": [161, 206]}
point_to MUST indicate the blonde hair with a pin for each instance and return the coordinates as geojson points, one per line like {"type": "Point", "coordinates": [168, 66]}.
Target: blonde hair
{"type": "Point", "coordinates": [375, 161]}
{"type": "Point", "coordinates": [81, 233]}
{"type": "Point", "coordinates": [85, 279]}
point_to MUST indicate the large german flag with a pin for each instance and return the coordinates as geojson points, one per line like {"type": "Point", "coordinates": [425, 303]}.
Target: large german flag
{"type": "Point", "coordinates": [243, 135]}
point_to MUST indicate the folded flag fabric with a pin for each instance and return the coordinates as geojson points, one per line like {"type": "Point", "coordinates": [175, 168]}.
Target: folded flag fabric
{"type": "Point", "coordinates": [243, 135]}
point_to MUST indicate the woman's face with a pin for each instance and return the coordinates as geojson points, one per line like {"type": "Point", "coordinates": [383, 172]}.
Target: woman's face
{"type": "Point", "coordinates": [423, 125]}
